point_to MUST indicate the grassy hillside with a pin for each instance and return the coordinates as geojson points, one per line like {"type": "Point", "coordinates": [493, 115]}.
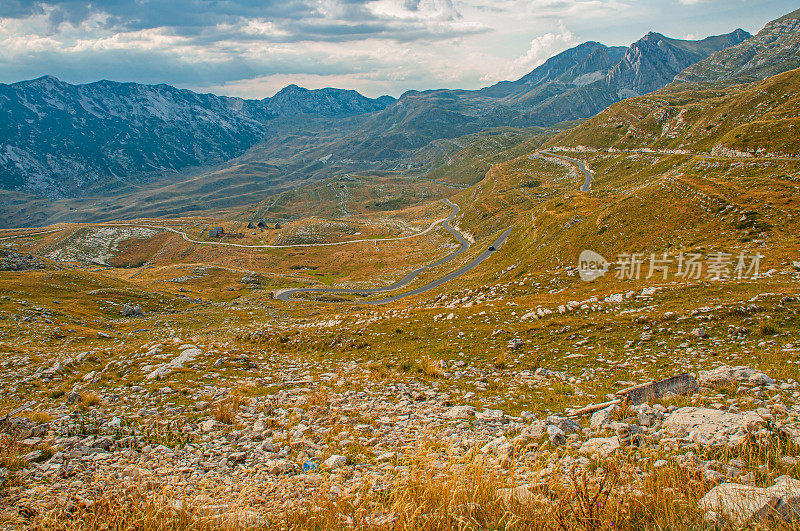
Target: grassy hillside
{"type": "Point", "coordinates": [759, 118]}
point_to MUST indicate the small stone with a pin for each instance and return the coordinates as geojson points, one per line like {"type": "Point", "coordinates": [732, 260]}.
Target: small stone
{"type": "Point", "coordinates": [73, 397]}
{"type": "Point", "coordinates": [335, 461]}
{"type": "Point", "coordinates": [556, 435]}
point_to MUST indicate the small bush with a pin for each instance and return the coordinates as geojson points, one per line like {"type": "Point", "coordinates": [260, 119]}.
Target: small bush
{"type": "Point", "coordinates": [90, 399]}
{"type": "Point", "coordinates": [768, 329]}
{"type": "Point", "coordinates": [56, 393]}
{"type": "Point", "coordinates": [225, 410]}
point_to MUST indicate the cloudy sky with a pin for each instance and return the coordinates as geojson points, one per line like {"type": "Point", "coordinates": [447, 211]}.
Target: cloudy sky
{"type": "Point", "coordinates": [252, 48]}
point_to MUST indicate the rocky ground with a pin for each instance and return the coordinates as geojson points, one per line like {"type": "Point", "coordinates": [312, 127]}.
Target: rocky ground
{"type": "Point", "coordinates": [315, 435]}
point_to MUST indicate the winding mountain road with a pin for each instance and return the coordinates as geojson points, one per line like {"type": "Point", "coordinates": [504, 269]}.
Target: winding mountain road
{"type": "Point", "coordinates": [287, 295]}
{"type": "Point", "coordinates": [587, 183]}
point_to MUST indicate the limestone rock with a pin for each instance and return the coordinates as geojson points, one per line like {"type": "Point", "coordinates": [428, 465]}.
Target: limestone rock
{"type": "Point", "coordinates": [335, 461]}
{"type": "Point", "coordinates": [602, 446]}
{"type": "Point", "coordinates": [704, 425]}
{"type": "Point", "coordinates": [743, 504]}
{"type": "Point", "coordinates": [725, 376]}
{"type": "Point", "coordinates": [567, 425]}
{"type": "Point", "coordinates": [602, 418]}
{"type": "Point", "coordinates": [460, 412]}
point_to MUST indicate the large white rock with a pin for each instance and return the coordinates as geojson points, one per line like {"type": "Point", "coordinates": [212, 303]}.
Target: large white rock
{"type": "Point", "coordinates": [724, 376]}
{"type": "Point", "coordinates": [188, 355]}
{"type": "Point", "coordinates": [604, 417]}
{"type": "Point", "coordinates": [490, 414]}
{"type": "Point", "coordinates": [335, 461]}
{"type": "Point", "coordinates": [743, 504]}
{"type": "Point", "coordinates": [500, 446]}
{"type": "Point", "coordinates": [556, 435]}
{"type": "Point", "coordinates": [705, 425]}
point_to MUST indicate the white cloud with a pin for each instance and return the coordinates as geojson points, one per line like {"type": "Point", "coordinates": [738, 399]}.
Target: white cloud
{"type": "Point", "coordinates": [541, 49]}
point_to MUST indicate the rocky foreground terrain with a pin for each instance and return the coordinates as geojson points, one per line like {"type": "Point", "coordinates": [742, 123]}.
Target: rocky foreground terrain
{"type": "Point", "coordinates": [204, 435]}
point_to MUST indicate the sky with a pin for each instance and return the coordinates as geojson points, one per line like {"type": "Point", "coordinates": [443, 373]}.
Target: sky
{"type": "Point", "coordinates": [252, 48]}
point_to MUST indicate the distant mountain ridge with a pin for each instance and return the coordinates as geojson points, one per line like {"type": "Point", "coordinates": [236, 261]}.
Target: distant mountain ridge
{"type": "Point", "coordinates": [57, 139]}
{"type": "Point", "coordinates": [573, 85]}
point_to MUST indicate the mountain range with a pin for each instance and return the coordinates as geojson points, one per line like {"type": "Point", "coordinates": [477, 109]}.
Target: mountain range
{"type": "Point", "coordinates": [106, 139]}
{"type": "Point", "coordinates": [59, 139]}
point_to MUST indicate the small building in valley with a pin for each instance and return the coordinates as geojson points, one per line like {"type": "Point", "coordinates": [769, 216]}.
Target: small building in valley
{"type": "Point", "coordinates": [216, 232]}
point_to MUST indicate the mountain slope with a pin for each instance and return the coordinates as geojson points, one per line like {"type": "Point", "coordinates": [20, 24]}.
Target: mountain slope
{"type": "Point", "coordinates": [109, 139]}
{"type": "Point", "coordinates": [577, 66]}
{"type": "Point", "coordinates": [293, 100]}
{"type": "Point", "coordinates": [775, 49]}
{"type": "Point", "coordinates": [755, 119]}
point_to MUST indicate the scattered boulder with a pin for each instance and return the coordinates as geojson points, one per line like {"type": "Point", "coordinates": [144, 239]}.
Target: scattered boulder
{"type": "Point", "coordinates": [129, 310]}
{"type": "Point", "coordinates": [744, 504]}
{"type": "Point", "coordinates": [604, 417]}
{"type": "Point", "coordinates": [73, 397]}
{"type": "Point", "coordinates": [704, 425]}
{"type": "Point", "coordinates": [556, 435]}
{"type": "Point", "coordinates": [725, 376]}
{"type": "Point", "coordinates": [567, 425]}
{"type": "Point", "coordinates": [281, 466]}
{"type": "Point", "coordinates": [335, 461]}
{"type": "Point", "coordinates": [490, 414]}
{"type": "Point", "coordinates": [499, 445]}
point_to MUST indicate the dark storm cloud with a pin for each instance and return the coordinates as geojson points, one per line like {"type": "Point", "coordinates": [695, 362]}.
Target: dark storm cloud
{"type": "Point", "coordinates": [298, 20]}
{"type": "Point", "coordinates": [148, 14]}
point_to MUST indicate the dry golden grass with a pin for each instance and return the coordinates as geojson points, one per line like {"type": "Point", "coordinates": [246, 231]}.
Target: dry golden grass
{"type": "Point", "coordinates": [225, 410]}
{"type": "Point", "coordinates": [90, 399]}
{"type": "Point", "coordinates": [39, 417]}
{"type": "Point", "coordinates": [467, 494]}
{"type": "Point", "coordinates": [430, 368]}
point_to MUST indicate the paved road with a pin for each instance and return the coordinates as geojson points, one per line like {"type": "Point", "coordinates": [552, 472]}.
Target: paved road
{"type": "Point", "coordinates": [288, 294]}
{"type": "Point", "coordinates": [587, 183]}
{"type": "Point", "coordinates": [450, 276]}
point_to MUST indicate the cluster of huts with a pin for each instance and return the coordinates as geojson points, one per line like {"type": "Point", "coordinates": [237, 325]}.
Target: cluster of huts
{"type": "Point", "coordinates": [261, 225]}
{"type": "Point", "coordinates": [219, 232]}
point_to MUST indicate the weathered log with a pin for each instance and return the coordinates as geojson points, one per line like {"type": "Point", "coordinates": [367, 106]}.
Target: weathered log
{"type": "Point", "coordinates": [682, 384]}
{"type": "Point", "coordinates": [591, 408]}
